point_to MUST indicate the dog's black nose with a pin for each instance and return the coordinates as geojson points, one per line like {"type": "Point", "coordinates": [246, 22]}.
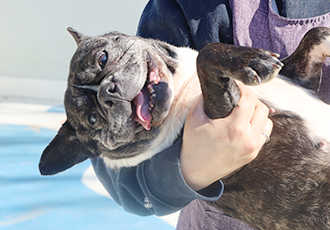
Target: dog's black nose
{"type": "Point", "coordinates": [111, 88]}
{"type": "Point", "coordinates": [108, 93]}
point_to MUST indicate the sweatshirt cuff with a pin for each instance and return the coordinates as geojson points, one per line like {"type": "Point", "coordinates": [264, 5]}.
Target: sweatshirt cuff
{"type": "Point", "coordinates": [162, 180]}
{"type": "Point", "coordinates": [211, 193]}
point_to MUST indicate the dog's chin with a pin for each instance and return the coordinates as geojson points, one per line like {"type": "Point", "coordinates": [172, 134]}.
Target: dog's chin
{"type": "Point", "coordinates": [151, 105]}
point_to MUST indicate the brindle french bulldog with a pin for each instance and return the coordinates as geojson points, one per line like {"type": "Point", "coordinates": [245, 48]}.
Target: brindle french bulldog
{"type": "Point", "coordinates": [127, 99]}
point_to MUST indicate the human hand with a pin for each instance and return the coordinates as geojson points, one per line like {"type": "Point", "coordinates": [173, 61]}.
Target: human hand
{"type": "Point", "coordinates": [212, 149]}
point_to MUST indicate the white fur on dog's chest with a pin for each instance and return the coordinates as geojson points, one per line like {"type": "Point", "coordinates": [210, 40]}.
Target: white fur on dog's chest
{"type": "Point", "coordinates": [287, 96]}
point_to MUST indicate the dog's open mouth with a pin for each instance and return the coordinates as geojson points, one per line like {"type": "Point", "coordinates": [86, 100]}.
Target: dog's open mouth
{"type": "Point", "coordinates": [145, 102]}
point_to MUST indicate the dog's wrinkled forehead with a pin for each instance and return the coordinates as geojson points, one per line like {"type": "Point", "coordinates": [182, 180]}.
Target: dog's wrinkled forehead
{"type": "Point", "coordinates": [88, 56]}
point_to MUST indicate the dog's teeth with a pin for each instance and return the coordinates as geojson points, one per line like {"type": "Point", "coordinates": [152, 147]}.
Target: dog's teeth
{"type": "Point", "coordinates": [151, 106]}
{"type": "Point", "coordinates": [151, 90]}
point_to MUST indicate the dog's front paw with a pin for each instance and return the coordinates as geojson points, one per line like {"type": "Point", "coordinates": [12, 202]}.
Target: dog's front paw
{"type": "Point", "coordinates": [258, 66]}
{"type": "Point", "coordinates": [250, 65]}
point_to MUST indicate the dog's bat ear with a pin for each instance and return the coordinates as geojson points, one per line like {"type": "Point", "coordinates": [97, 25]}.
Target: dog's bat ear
{"type": "Point", "coordinates": [76, 35]}
{"type": "Point", "coordinates": [64, 151]}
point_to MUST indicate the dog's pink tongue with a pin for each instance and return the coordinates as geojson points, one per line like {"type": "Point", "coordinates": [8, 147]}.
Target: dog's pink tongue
{"type": "Point", "coordinates": [142, 110]}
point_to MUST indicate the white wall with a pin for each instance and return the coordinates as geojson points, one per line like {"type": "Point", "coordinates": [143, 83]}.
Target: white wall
{"type": "Point", "coordinates": [35, 47]}
{"type": "Point", "coordinates": [34, 42]}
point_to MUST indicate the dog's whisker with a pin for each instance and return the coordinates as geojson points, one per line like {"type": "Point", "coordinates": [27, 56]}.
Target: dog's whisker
{"type": "Point", "coordinates": [94, 88]}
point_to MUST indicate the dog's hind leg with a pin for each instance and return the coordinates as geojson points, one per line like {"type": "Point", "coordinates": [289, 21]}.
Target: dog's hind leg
{"type": "Point", "coordinates": [304, 65]}
{"type": "Point", "coordinates": [219, 64]}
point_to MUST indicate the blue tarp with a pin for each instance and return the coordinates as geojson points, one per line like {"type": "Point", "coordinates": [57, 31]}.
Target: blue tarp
{"type": "Point", "coordinates": [31, 201]}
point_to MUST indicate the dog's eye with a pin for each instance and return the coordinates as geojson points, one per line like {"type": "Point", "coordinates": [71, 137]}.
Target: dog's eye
{"type": "Point", "coordinates": [103, 59]}
{"type": "Point", "coordinates": [92, 118]}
